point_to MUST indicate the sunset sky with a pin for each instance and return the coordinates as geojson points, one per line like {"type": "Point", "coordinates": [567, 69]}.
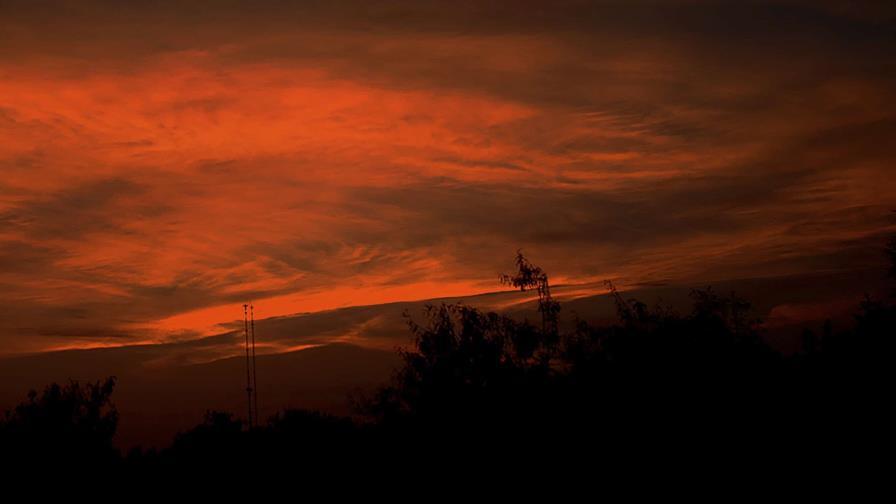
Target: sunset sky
{"type": "Point", "coordinates": [163, 162]}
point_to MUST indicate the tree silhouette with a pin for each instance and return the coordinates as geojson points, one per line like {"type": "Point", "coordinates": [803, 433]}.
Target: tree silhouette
{"type": "Point", "coordinates": [464, 361]}
{"type": "Point", "coordinates": [62, 425]}
{"type": "Point", "coordinates": [529, 276]}
{"type": "Point", "coordinates": [501, 392]}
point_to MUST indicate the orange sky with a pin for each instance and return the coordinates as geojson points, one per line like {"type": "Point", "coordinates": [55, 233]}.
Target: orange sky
{"type": "Point", "coordinates": [162, 163]}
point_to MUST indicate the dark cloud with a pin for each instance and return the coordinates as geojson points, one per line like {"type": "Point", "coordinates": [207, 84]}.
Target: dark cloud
{"type": "Point", "coordinates": [77, 212]}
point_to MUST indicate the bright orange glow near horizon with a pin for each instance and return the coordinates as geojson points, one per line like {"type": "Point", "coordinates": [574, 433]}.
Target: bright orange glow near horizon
{"type": "Point", "coordinates": [160, 169]}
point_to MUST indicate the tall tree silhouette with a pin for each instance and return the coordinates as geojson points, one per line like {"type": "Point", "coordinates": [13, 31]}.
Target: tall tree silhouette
{"type": "Point", "coordinates": [528, 277]}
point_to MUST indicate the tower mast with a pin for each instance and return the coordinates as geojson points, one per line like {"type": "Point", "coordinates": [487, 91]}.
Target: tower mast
{"type": "Point", "coordinates": [254, 367]}
{"type": "Point", "coordinates": [248, 364]}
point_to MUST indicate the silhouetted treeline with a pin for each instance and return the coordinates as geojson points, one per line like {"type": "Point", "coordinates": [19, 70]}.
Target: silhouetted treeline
{"type": "Point", "coordinates": [493, 390]}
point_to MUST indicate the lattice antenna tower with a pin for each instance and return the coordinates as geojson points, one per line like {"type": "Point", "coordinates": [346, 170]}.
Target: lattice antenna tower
{"type": "Point", "coordinates": [254, 366]}
{"type": "Point", "coordinates": [248, 362]}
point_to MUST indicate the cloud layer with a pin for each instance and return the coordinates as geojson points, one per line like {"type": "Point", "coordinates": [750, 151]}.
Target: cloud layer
{"type": "Point", "coordinates": [163, 163]}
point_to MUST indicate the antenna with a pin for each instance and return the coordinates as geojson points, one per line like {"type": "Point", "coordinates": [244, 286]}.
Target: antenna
{"type": "Point", "coordinates": [248, 364]}
{"type": "Point", "coordinates": [254, 367]}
